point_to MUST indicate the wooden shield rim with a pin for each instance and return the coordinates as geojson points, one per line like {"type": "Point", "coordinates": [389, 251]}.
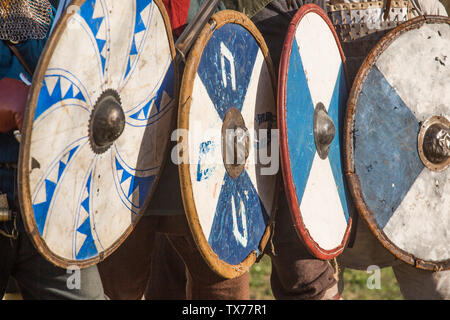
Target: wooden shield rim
{"type": "Point", "coordinates": [217, 21]}
{"type": "Point", "coordinates": [289, 185]}
{"type": "Point", "coordinates": [24, 194]}
{"type": "Point", "coordinates": [353, 180]}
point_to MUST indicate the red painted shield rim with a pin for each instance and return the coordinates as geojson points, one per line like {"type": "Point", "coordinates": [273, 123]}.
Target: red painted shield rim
{"type": "Point", "coordinates": [289, 186]}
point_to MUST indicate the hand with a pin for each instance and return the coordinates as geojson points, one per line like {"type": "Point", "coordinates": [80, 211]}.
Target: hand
{"type": "Point", "coordinates": [13, 100]}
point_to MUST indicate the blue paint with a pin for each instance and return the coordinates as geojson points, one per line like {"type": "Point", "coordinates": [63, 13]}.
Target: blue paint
{"type": "Point", "coordinates": [299, 122]}
{"type": "Point", "coordinates": [46, 99]}
{"type": "Point", "coordinates": [238, 49]}
{"type": "Point", "coordinates": [222, 239]}
{"type": "Point", "coordinates": [88, 248]}
{"type": "Point", "coordinates": [41, 209]}
{"type": "Point", "coordinates": [167, 86]}
{"type": "Point", "coordinates": [300, 127]}
{"type": "Point", "coordinates": [336, 111]}
{"type": "Point", "coordinates": [385, 146]}
{"type": "Point", "coordinates": [244, 49]}
{"type": "Point", "coordinates": [205, 148]}
{"type": "Point", "coordinates": [86, 11]}
{"type": "Point", "coordinates": [139, 26]}
{"type": "Point", "coordinates": [144, 184]}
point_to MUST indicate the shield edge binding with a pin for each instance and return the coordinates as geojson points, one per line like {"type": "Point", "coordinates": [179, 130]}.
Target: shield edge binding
{"type": "Point", "coordinates": [24, 193]}
{"type": "Point", "coordinates": [353, 179]}
{"type": "Point", "coordinates": [219, 266]}
{"type": "Point", "coordinates": [290, 189]}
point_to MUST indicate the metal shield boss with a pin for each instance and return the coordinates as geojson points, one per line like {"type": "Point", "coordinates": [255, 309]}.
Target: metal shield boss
{"type": "Point", "coordinates": [398, 142]}
{"type": "Point", "coordinates": [97, 128]}
{"type": "Point", "coordinates": [312, 97]}
{"type": "Point", "coordinates": [227, 110]}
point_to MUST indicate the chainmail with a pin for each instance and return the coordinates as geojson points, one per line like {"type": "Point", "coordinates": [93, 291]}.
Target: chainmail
{"type": "Point", "coordinates": [22, 20]}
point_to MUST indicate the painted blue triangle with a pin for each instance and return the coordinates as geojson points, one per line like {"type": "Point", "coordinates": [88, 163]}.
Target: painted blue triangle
{"type": "Point", "coordinates": [133, 184]}
{"type": "Point", "coordinates": [88, 184]}
{"type": "Point", "coordinates": [144, 184]}
{"type": "Point", "coordinates": [69, 93]}
{"type": "Point", "coordinates": [40, 215]}
{"type": "Point", "coordinates": [125, 176]}
{"type": "Point", "coordinates": [49, 190]}
{"type": "Point", "coordinates": [128, 69]}
{"type": "Point", "coordinates": [71, 153]}
{"type": "Point", "coordinates": [145, 109]}
{"type": "Point", "coordinates": [41, 209]}
{"type": "Point", "coordinates": [87, 12]}
{"type": "Point", "coordinates": [80, 96]}
{"type": "Point", "coordinates": [62, 166]}
{"type": "Point", "coordinates": [101, 44]}
{"type": "Point", "coordinates": [133, 48]}
{"type": "Point", "coordinates": [118, 165]}
{"type": "Point", "coordinates": [140, 26]}
{"type": "Point", "coordinates": [85, 228]}
{"type": "Point", "coordinates": [88, 249]}
{"type": "Point", "coordinates": [140, 6]}
{"type": "Point", "coordinates": [43, 101]}
{"type": "Point", "coordinates": [103, 62]}
{"type": "Point", "coordinates": [85, 204]}
{"type": "Point", "coordinates": [46, 100]}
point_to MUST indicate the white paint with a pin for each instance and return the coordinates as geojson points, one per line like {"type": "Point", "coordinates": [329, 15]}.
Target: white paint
{"type": "Point", "coordinates": [140, 147]}
{"type": "Point", "coordinates": [206, 192]}
{"type": "Point", "coordinates": [421, 223]}
{"type": "Point", "coordinates": [225, 53]}
{"type": "Point", "coordinates": [242, 238]}
{"type": "Point", "coordinates": [259, 100]}
{"type": "Point", "coordinates": [321, 207]}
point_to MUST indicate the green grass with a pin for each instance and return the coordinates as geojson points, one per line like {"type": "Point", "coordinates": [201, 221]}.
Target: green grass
{"type": "Point", "coordinates": [355, 284]}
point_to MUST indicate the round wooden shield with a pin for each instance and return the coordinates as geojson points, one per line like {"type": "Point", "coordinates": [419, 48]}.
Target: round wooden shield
{"type": "Point", "coordinates": [312, 97]}
{"type": "Point", "coordinates": [398, 142]}
{"type": "Point", "coordinates": [97, 128]}
{"type": "Point", "coordinates": [228, 89]}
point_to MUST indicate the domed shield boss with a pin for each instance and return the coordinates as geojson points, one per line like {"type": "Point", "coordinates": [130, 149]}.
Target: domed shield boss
{"type": "Point", "coordinates": [97, 128]}
{"type": "Point", "coordinates": [227, 108]}
{"type": "Point", "coordinates": [312, 96]}
{"type": "Point", "coordinates": [398, 142]}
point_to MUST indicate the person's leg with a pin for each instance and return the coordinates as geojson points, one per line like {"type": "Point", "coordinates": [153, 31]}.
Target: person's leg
{"type": "Point", "coordinates": [296, 274]}
{"type": "Point", "coordinates": [125, 272]}
{"type": "Point", "coordinates": [202, 282]}
{"type": "Point", "coordinates": [168, 273]}
{"type": "Point", "coordinates": [38, 279]}
{"type": "Point", "coordinates": [417, 284]}
{"type": "Point", "coordinates": [8, 256]}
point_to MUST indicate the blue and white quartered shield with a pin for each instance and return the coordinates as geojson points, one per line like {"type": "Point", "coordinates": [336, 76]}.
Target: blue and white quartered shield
{"type": "Point", "coordinates": [398, 142]}
{"type": "Point", "coordinates": [312, 99]}
{"type": "Point", "coordinates": [97, 128]}
{"type": "Point", "coordinates": [227, 108]}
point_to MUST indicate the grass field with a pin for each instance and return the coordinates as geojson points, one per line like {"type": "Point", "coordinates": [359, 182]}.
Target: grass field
{"type": "Point", "coordinates": [355, 284]}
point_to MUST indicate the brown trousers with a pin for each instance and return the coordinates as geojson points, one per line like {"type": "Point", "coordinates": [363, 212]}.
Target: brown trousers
{"type": "Point", "coordinates": [150, 264]}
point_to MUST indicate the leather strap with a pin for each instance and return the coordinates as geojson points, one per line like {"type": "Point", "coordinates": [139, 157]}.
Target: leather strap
{"type": "Point", "coordinates": [19, 57]}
